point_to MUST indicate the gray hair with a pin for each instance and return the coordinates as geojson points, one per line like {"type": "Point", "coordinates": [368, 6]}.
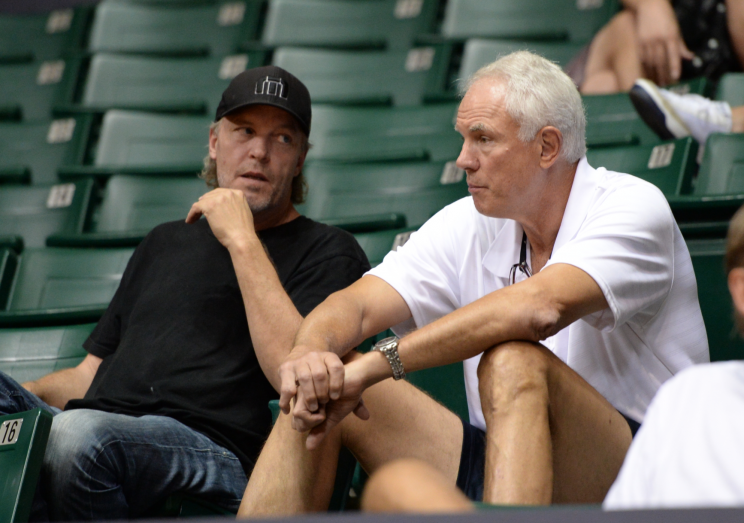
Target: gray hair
{"type": "Point", "coordinates": [539, 93]}
{"type": "Point", "coordinates": [209, 171]}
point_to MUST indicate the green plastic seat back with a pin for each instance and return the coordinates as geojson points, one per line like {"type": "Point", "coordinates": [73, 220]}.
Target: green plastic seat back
{"type": "Point", "coordinates": [8, 266]}
{"type": "Point", "coordinates": [34, 213]}
{"type": "Point", "coordinates": [23, 439]}
{"type": "Point", "coordinates": [722, 168]}
{"type": "Point", "coordinates": [377, 244]}
{"type": "Point", "coordinates": [139, 203]}
{"type": "Point", "coordinates": [32, 152]}
{"type": "Point", "coordinates": [318, 23]}
{"type": "Point", "coordinates": [156, 83]}
{"type": "Point", "coordinates": [139, 140]}
{"type": "Point", "coordinates": [372, 134]}
{"type": "Point", "coordinates": [479, 52]}
{"type": "Point", "coordinates": [400, 77]}
{"type": "Point", "coordinates": [670, 166]}
{"type": "Point", "coordinates": [611, 120]}
{"type": "Point", "coordinates": [715, 300]}
{"type": "Point", "coordinates": [206, 28]}
{"type": "Point", "coordinates": [415, 190]}
{"type": "Point", "coordinates": [349, 203]}
{"type": "Point", "coordinates": [42, 36]}
{"type": "Point", "coordinates": [58, 278]}
{"type": "Point", "coordinates": [526, 19]}
{"type": "Point", "coordinates": [28, 354]}
{"type": "Point", "coordinates": [30, 90]}
{"type": "Point", "coordinates": [731, 89]}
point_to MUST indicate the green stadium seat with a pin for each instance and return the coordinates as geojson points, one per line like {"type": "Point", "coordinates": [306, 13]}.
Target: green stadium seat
{"type": "Point", "coordinates": [32, 152]}
{"type": "Point", "coordinates": [718, 191]}
{"type": "Point", "coordinates": [670, 166]}
{"type": "Point", "coordinates": [48, 36]}
{"type": "Point", "coordinates": [715, 301]}
{"type": "Point", "coordinates": [177, 29]}
{"type": "Point", "coordinates": [570, 20]}
{"type": "Point", "coordinates": [731, 89]}
{"type": "Point", "coordinates": [479, 52]}
{"type": "Point", "coordinates": [373, 134]}
{"type": "Point", "coordinates": [23, 439]}
{"type": "Point", "coordinates": [722, 168]}
{"type": "Point", "coordinates": [372, 197]}
{"type": "Point", "coordinates": [30, 353]}
{"type": "Point", "coordinates": [33, 213]}
{"type": "Point", "coordinates": [347, 23]}
{"type": "Point", "coordinates": [30, 90]}
{"type": "Point", "coordinates": [131, 206]}
{"type": "Point", "coordinates": [404, 77]}
{"type": "Point", "coordinates": [133, 142]}
{"type": "Point", "coordinates": [377, 244]}
{"type": "Point", "coordinates": [184, 84]}
{"type": "Point", "coordinates": [57, 285]}
{"type": "Point", "coordinates": [611, 120]}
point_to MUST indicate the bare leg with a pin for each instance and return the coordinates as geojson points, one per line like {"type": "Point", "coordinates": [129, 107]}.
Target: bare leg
{"type": "Point", "coordinates": [613, 63]}
{"type": "Point", "coordinates": [404, 423]}
{"type": "Point", "coordinates": [737, 119]}
{"type": "Point", "coordinates": [735, 22]}
{"type": "Point", "coordinates": [551, 436]}
{"type": "Point", "coordinates": [410, 485]}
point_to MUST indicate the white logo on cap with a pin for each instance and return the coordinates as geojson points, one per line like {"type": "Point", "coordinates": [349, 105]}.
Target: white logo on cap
{"type": "Point", "coordinates": [271, 86]}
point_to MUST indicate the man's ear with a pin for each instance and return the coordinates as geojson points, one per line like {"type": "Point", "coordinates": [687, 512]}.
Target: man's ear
{"type": "Point", "coordinates": [213, 142]}
{"type": "Point", "coordinates": [551, 142]}
{"type": "Point", "coordinates": [736, 288]}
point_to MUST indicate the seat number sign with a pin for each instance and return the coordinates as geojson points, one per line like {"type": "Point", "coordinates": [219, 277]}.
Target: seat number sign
{"type": "Point", "coordinates": [9, 431]}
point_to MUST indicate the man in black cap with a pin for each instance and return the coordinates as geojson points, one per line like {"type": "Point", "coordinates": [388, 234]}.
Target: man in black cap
{"type": "Point", "coordinates": [173, 394]}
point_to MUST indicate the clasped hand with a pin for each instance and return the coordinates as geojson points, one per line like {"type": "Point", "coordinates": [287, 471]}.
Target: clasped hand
{"type": "Point", "coordinates": [323, 390]}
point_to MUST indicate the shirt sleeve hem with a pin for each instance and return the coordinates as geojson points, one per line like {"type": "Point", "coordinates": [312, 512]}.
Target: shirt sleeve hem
{"type": "Point", "coordinates": [95, 349]}
{"type": "Point", "coordinates": [606, 291]}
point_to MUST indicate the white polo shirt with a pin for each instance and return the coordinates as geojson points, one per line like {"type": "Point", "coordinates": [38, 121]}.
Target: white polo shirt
{"type": "Point", "coordinates": [689, 451]}
{"type": "Point", "coordinates": [618, 229]}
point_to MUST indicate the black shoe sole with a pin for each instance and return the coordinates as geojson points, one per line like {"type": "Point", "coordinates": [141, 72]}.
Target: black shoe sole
{"type": "Point", "coordinates": [650, 112]}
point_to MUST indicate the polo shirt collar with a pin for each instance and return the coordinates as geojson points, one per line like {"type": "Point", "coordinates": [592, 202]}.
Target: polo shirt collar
{"type": "Point", "coordinates": [503, 252]}
{"type": "Point", "coordinates": [583, 193]}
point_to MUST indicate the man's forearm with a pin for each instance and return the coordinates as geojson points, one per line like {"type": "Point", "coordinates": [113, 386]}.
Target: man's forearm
{"type": "Point", "coordinates": [58, 388]}
{"type": "Point", "coordinates": [532, 310]}
{"type": "Point", "coordinates": [336, 325]}
{"type": "Point", "coordinates": [273, 318]}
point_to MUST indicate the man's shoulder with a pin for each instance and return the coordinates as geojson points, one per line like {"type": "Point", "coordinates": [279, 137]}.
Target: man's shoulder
{"type": "Point", "coordinates": [317, 239]}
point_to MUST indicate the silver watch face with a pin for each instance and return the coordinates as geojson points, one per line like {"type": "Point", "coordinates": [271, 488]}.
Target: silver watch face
{"type": "Point", "coordinates": [383, 344]}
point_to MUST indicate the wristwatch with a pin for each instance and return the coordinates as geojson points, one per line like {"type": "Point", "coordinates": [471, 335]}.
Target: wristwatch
{"type": "Point", "coordinates": [389, 347]}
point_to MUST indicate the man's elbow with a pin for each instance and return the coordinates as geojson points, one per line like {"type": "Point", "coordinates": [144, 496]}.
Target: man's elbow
{"type": "Point", "coordinates": [545, 320]}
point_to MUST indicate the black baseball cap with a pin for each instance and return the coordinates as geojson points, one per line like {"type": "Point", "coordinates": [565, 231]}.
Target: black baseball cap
{"type": "Point", "coordinates": [269, 85]}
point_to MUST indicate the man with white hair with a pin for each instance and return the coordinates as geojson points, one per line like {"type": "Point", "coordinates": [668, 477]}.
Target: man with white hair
{"type": "Point", "coordinates": [567, 291]}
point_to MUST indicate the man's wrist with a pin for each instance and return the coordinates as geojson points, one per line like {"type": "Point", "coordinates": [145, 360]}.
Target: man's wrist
{"type": "Point", "coordinates": [372, 367]}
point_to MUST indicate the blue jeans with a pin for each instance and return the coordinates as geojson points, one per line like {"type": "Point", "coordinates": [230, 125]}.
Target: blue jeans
{"type": "Point", "coordinates": [100, 465]}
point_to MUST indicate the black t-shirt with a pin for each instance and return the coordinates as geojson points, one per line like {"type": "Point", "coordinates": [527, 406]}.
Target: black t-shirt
{"type": "Point", "coordinates": [175, 342]}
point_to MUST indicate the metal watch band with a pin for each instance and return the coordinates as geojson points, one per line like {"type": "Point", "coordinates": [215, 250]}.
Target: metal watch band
{"type": "Point", "coordinates": [389, 347]}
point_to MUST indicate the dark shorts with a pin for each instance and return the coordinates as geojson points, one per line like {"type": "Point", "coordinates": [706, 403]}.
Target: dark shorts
{"type": "Point", "coordinates": [473, 458]}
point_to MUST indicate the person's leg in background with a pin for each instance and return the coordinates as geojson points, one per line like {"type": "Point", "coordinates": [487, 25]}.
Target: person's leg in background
{"type": "Point", "coordinates": [101, 466]}
{"type": "Point", "coordinates": [410, 485]}
{"type": "Point", "coordinates": [613, 63]}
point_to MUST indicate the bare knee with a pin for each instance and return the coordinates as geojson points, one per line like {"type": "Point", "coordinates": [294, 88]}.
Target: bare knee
{"type": "Point", "coordinates": [511, 371]}
{"type": "Point", "coordinates": [412, 485]}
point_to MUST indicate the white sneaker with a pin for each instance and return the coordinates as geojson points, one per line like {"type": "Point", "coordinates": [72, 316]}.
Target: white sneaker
{"type": "Point", "coordinates": [672, 115]}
